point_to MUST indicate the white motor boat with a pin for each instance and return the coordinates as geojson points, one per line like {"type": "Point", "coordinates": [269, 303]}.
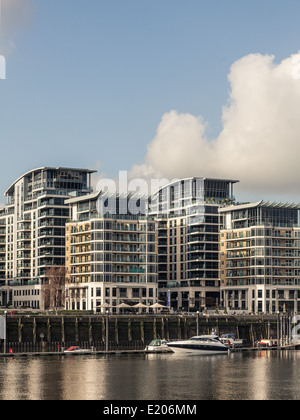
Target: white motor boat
{"type": "Point", "coordinates": [158, 346]}
{"type": "Point", "coordinates": [202, 345]}
{"type": "Point", "coordinates": [231, 340]}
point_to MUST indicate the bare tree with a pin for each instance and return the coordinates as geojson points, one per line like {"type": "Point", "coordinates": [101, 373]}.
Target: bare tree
{"type": "Point", "coordinates": [54, 288]}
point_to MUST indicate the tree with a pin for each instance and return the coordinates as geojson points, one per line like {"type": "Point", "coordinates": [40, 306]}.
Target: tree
{"type": "Point", "coordinates": [54, 288]}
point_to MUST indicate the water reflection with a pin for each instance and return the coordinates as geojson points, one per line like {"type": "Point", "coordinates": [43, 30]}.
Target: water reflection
{"type": "Point", "coordinates": [255, 376]}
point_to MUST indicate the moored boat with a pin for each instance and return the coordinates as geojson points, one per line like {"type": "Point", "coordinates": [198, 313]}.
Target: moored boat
{"type": "Point", "coordinates": [158, 345]}
{"type": "Point", "coordinates": [231, 340]}
{"type": "Point", "coordinates": [202, 345]}
{"type": "Point", "coordinates": [76, 350]}
{"type": "Point", "coordinates": [266, 343]}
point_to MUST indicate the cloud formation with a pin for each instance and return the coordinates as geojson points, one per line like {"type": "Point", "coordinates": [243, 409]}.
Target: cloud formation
{"type": "Point", "coordinates": [260, 140]}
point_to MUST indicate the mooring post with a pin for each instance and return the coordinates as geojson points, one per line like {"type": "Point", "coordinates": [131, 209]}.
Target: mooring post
{"type": "Point", "coordinates": [63, 329]}
{"type": "Point", "coordinates": [116, 331]}
{"type": "Point", "coordinates": [163, 328]}
{"type": "Point", "coordinates": [5, 332]}
{"type": "Point", "coordinates": [178, 328]}
{"type": "Point", "coordinates": [154, 329]}
{"type": "Point", "coordinates": [90, 331]}
{"type": "Point", "coordinates": [142, 331]}
{"type": "Point", "coordinates": [48, 330]}
{"type": "Point", "coordinates": [278, 331]}
{"type": "Point", "coordinates": [34, 330]}
{"type": "Point", "coordinates": [106, 330]}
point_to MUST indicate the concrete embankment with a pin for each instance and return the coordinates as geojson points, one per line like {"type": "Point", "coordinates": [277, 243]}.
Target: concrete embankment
{"type": "Point", "coordinates": [43, 333]}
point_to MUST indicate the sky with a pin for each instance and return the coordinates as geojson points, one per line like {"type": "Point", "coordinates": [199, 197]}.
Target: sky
{"type": "Point", "coordinates": [158, 88]}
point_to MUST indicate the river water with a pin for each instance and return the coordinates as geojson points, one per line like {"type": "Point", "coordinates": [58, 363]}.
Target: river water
{"type": "Point", "coordinates": [259, 375]}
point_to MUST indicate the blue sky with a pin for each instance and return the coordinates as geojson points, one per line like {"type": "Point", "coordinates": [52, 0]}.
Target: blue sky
{"type": "Point", "coordinates": [88, 81]}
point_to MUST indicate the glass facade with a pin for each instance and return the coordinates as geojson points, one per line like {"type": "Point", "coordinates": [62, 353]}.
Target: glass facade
{"type": "Point", "coordinates": [188, 241]}
{"type": "Point", "coordinates": [32, 236]}
{"type": "Point", "coordinates": [260, 256]}
{"type": "Point", "coordinates": [267, 215]}
{"type": "Point", "coordinates": [111, 258]}
{"type": "Point", "coordinates": [178, 197]}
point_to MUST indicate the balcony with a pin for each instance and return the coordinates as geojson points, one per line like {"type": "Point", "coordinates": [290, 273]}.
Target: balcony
{"type": "Point", "coordinates": [130, 260]}
{"type": "Point", "coordinates": [24, 265]}
{"type": "Point", "coordinates": [23, 275]}
{"type": "Point", "coordinates": [23, 245]}
{"type": "Point", "coordinates": [26, 237]}
{"type": "Point", "coordinates": [80, 240]}
{"type": "Point", "coordinates": [130, 270]}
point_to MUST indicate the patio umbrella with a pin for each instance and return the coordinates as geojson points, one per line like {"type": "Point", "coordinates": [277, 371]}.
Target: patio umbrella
{"type": "Point", "coordinates": [104, 305]}
{"type": "Point", "coordinates": [158, 305]}
{"type": "Point", "coordinates": [140, 305]}
{"type": "Point", "coordinates": [123, 305]}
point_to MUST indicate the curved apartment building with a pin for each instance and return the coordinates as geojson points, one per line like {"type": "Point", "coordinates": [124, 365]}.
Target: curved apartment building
{"type": "Point", "coordinates": [188, 241]}
{"type": "Point", "coordinates": [32, 230]}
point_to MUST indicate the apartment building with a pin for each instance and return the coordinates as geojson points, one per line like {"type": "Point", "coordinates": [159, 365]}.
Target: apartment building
{"type": "Point", "coordinates": [32, 230]}
{"type": "Point", "coordinates": [260, 257]}
{"type": "Point", "coordinates": [188, 217]}
{"type": "Point", "coordinates": [188, 246]}
{"type": "Point", "coordinates": [111, 254]}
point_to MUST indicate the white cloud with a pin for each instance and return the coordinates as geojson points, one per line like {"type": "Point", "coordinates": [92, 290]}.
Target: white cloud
{"type": "Point", "coordinates": [260, 140]}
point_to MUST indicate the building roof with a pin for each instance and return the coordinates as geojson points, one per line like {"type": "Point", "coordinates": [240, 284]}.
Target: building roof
{"type": "Point", "coordinates": [261, 203]}
{"type": "Point", "coordinates": [105, 195]}
{"type": "Point", "coordinates": [175, 181]}
{"type": "Point", "coordinates": [10, 189]}
{"type": "Point", "coordinates": [86, 197]}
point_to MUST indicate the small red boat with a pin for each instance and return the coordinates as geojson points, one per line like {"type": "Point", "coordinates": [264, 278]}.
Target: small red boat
{"type": "Point", "coordinates": [77, 349]}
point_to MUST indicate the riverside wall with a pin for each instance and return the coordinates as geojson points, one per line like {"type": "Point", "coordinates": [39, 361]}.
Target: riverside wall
{"type": "Point", "coordinates": [135, 331]}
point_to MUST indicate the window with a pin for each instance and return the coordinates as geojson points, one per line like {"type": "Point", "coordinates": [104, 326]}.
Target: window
{"type": "Point", "coordinates": [123, 292]}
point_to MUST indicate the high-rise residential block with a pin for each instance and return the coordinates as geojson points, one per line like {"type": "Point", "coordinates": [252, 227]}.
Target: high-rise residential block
{"type": "Point", "coordinates": [111, 255]}
{"type": "Point", "coordinates": [260, 257]}
{"type": "Point", "coordinates": [32, 231]}
{"type": "Point", "coordinates": [188, 241]}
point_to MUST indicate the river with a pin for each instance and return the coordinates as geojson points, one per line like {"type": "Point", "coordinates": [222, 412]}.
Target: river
{"type": "Point", "coordinates": [259, 375]}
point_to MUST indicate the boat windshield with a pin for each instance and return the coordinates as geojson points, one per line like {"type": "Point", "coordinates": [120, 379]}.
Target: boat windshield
{"type": "Point", "coordinates": [155, 343]}
{"type": "Point", "coordinates": [209, 339]}
{"type": "Point", "coordinates": [228, 336]}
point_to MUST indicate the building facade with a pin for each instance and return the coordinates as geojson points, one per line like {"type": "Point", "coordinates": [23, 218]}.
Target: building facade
{"type": "Point", "coordinates": [32, 231]}
{"type": "Point", "coordinates": [188, 246]}
{"type": "Point", "coordinates": [111, 256]}
{"type": "Point", "coordinates": [260, 257]}
{"type": "Point", "coordinates": [188, 241]}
